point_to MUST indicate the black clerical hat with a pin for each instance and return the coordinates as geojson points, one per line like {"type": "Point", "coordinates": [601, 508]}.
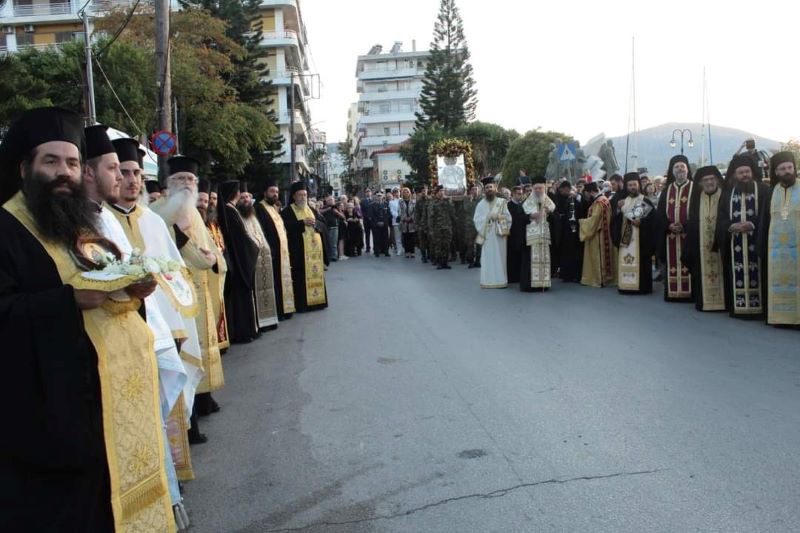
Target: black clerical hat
{"type": "Point", "coordinates": [632, 176]}
{"type": "Point", "coordinates": [97, 142]}
{"type": "Point", "coordinates": [538, 180]}
{"type": "Point", "coordinates": [741, 160]}
{"type": "Point", "coordinates": [271, 182]}
{"type": "Point", "coordinates": [182, 163]}
{"type": "Point", "coordinates": [680, 158]}
{"type": "Point", "coordinates": [779, 159]}
{"type": "Point", "coordinates": [297, 186]}
{"type": "Point", "coordinates": [33, 128]}
{"type": "Point", "coordinates": [128, 150]}
{"type": "Point", "coordinates": [228, 189]}
{"type": "Point", "coordinates": [707, 171]}
{"type": "Point", "coordinates": [488, 180]}
{"type": "Point", "coordinates": [152, 186]}
{"type": "Point", "coordinates": [591, 187]}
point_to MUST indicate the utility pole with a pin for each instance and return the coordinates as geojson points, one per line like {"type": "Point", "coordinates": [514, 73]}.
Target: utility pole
{"type": "Point", "coordinates": [292, 155]}
{"type": "Point", "coordinates": [89, 72]}
{"type": "Point", "coordinates": [163, 77]}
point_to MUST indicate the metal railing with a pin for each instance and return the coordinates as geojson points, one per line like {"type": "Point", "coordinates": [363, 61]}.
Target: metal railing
{"type": "Point", "coordinates": [37, 10]}
{"type": "Point", "coordinates": [279, 34]}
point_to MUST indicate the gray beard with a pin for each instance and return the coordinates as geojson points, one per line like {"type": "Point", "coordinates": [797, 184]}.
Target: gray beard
{"type": "Point", "coordinates": [178, 205]}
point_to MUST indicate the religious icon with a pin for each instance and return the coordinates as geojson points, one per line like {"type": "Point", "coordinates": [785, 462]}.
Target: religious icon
{"type": "Point", "coordinates": [94, 253]}
{"type": "Point", "coordinates": [452, 174]}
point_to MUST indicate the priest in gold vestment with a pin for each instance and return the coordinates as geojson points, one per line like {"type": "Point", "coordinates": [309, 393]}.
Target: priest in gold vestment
{"type": "Point", "coordinates": [599, 257]}
{"type": "Point", "coordinates": [269, 216]}
{"type": "Point", "coordinates": [705, 262]}
{"type": "Point", "coordinates": [305, 251]}
{"type": "Point", "coordinates": [88, 452]}
{"type": "Point", "coordinates": [179, 211]}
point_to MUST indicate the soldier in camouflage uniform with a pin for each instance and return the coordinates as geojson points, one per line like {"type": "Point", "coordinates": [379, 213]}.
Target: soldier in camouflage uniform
{"type": "Point", "coordinates": [421, 221]}
{"type": "Point", "coordinates": [441, 224]}
{"type": "Point", "coordinates": [459, 244]}
{"type": "Point", "coordinates": [470, 233]}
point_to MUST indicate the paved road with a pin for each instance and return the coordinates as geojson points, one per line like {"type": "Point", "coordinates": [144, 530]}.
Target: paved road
{"type": "Point", "coordinates": [418, 402]}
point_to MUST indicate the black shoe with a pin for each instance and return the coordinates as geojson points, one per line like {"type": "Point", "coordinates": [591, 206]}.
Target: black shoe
{"type": "Point", "coordinates": [377, 255]}
{"type": "Point", "coordinates": [215, 408]}
{"type": "Point", "coordinates": [440, 267]}
{"type": "Point", "coordinates": [472, 265]}
{"type": "Point", "coordinates": [197, 438]}
{"type": "Point", "coordinates": [388, 255]}
{"type": "Point", "coordinates": [447, 267]}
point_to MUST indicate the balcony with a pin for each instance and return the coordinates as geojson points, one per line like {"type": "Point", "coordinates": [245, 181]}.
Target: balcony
{"type": "Point", "coordinates": [42, 10]}
{"type": "Point", "coordinates": [284, 77]}
{"type": "Point", "coordinates": [379, 141]}
{"type": "Point", "coordinates": [104, 6]}
{"type": "Point", "coordinates": [379, 74]}
{"type": "Point", "coordinates": [377, 96]}
{"type": "Point", "coordinates": [392, 117]}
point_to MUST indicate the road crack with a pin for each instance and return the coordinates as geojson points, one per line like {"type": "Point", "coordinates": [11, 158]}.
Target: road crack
{"type": "Point", "coordinates": [498, 493]}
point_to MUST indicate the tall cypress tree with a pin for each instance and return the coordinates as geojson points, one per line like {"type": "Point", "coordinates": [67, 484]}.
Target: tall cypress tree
{"type": "Point", "coordinates": [448, 96]}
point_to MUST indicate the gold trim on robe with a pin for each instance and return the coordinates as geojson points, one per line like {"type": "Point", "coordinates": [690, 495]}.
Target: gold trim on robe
{"type": "Point", "coordinates": [783, 266]}
{"type": "Point", "coordinates": [710, 261]}
{"type": "Point", "coordinates": [286, 264]}
{"type": "Point", "coordinates": [129, 389]}
{"type": "Point", "coordinates": [629, 257]}
{"type": "Point", "coordinates": [312, 248]}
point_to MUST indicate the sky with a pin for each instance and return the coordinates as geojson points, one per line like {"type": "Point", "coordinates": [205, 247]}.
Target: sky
{"type": "Point", "coordinates": [566, 66]}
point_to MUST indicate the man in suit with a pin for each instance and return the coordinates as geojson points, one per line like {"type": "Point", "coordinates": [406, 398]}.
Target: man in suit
{"type": "Point", "coordinates": [366, 212]}
{"type": "Point", "coordinates": [381, 220]}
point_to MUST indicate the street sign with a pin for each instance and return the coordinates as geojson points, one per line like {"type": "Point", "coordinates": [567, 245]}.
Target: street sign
{"type": "Point", "coordinates": [566, 152]}
{"type": "Point", "coordinates": [163, 143]}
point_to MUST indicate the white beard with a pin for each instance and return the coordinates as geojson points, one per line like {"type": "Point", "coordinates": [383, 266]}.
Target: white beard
{"type": "Point", "coordinates": [178, 205]}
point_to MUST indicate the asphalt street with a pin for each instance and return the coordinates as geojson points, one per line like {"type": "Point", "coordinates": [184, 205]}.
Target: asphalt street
{"type": "Point", "coordinates": [419, 402]}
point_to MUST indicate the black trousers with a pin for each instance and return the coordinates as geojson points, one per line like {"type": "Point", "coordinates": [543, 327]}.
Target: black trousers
{"type": "Point", "coordinates": [367, 231]}
{"type": "Point", "coordinates": [409, 242]}
{"type": "Point", "coordinates": [381, 236]}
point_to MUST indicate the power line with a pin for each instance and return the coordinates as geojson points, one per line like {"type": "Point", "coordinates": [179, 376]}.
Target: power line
{"type": "Point", "coordinates": [120, 29]}
{"type": "Point", "coordinates": [116, 96]}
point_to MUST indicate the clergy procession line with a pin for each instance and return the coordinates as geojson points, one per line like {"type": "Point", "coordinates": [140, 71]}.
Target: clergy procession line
{"type": "Point", "coordinates": [724, 243]}
{"type": "Point", "coordinates": [117, 314]}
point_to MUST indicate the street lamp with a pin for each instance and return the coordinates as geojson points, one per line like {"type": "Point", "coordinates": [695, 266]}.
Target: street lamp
{"type": "Point", "coordinates": [687, 132]}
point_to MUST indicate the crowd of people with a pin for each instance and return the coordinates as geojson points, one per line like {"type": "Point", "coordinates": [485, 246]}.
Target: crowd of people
{"type": "Point", "coordinates": [111, 375]}
{"type": "Point", "coordinates": [112, 370]}
{"type": "Point", "coordinates": [726, 243]}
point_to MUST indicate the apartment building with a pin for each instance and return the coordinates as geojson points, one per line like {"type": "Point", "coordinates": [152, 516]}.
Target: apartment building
{"type": "Point", "coordinates": [388, 84]}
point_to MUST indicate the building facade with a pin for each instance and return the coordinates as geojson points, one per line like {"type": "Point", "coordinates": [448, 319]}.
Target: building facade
{"type": "Point", "coordinates": [388, 85]}
{"type": "Point", "coordinates": [284, 36]}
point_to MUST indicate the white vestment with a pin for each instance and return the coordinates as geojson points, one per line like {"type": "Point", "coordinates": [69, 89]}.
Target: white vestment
{"type": "Point", "coordinates": [493, 237]}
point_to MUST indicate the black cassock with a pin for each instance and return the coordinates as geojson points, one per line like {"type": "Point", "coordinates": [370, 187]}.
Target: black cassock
{"type": "Point", "coordinates": [569, 248]}
{"type": "Point", "coordinates": [647, 247]}
{"type": "Point", "coordinates": [722, 242]}
{"type": "Point", "coordinates": [271, 233]}
{"type": "Point", "coordinates": [53, 470]}
{"type": "Point", "coordinates": [242, 256]}
{"type": "Point", "coordinates": [297, 255]}
{"type": "Point", "coordinates": [516, 241]}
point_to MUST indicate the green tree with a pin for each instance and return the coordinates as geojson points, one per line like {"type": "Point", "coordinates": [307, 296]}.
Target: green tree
{"type": "Point", "coordinates": [530, 151]}
{"type": "Point", "coordinates": [448, 96]}
{"type": "Point", "coordinates": [414, 151]}
{"type": "Point", "coordinates": [348, 159]}
{"type": "Point", "coordinates": [250, 75]}
{"type": "Point", "coordinates": [490, 143]}
{"type": "Point", "coordinates": [54, 76]}
{"type": "Point", "coordinates": [216, 126]}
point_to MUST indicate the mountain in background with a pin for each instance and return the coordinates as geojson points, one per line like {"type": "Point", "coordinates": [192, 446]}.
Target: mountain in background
{"type": "Point", "coordinates": [654, 151]}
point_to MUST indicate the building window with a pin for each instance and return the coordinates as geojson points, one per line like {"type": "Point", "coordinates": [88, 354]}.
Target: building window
{"type": "Point", "coordinates": [387, 131]}
{"type": "Point", "coordinates": [385, 108]}
{"type": "Point", "coordinates": [24, 39]}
